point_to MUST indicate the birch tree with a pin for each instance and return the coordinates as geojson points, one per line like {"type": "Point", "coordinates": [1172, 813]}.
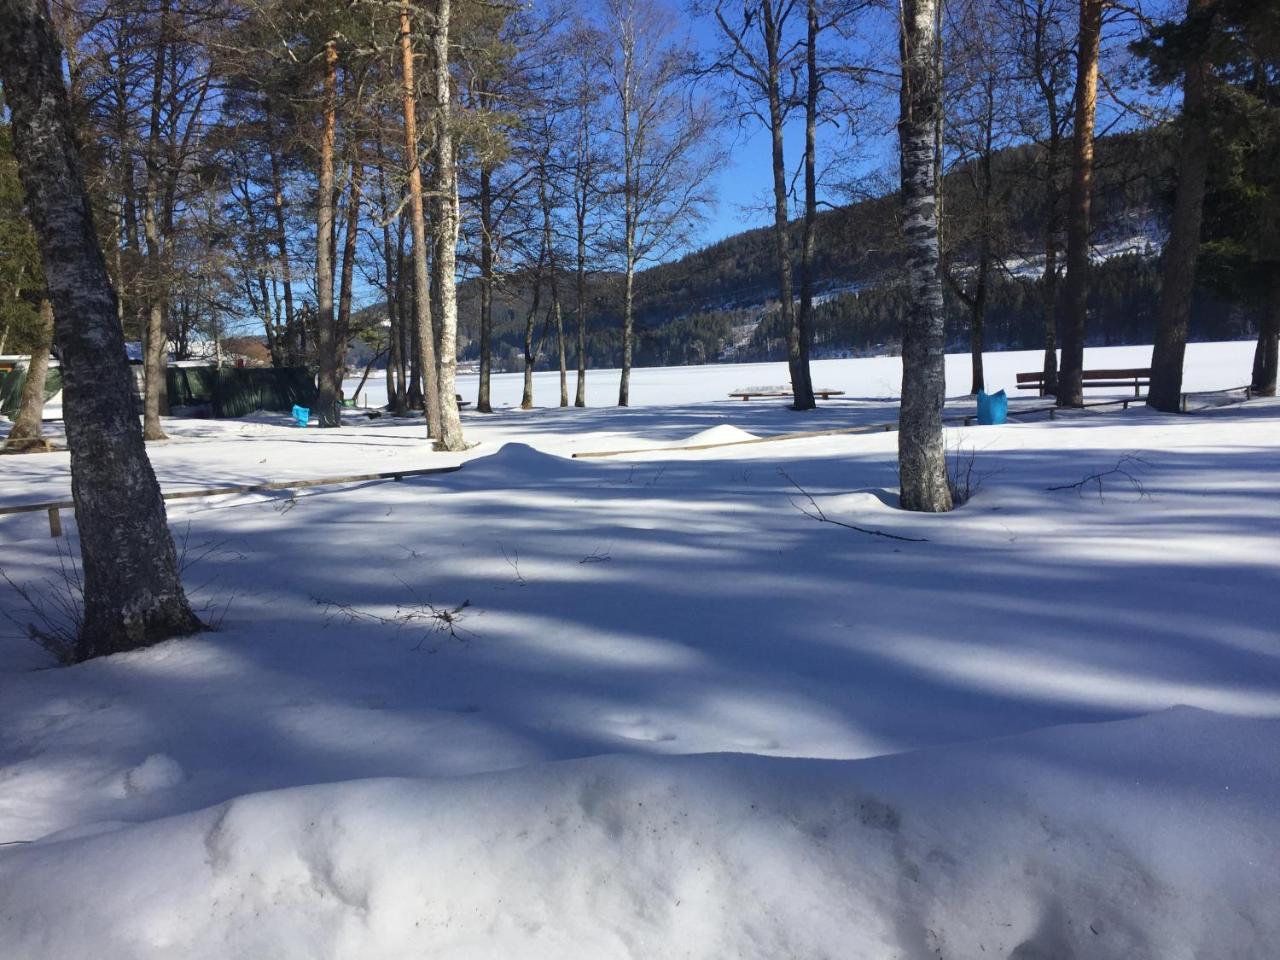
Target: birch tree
{"type": "Point", "coordinates": [1041, 42]}
{"type": "Point", "coordinates": [446, 225]}
{"type": "Point", "coordinates": [922, 464]}
{"type": "Point", "coordinates": [662, 136]}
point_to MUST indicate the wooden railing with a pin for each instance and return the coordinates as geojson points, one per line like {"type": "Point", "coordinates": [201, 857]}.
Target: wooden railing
{"type": "Point", "coordinates": [54, 507]}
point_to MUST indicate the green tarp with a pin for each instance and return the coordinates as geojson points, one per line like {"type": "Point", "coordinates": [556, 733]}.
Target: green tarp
{"type": "Point", "coordinates": [235, 391]}
{"type": "Point", "coordinates": [11, 385]}
{"type": "Point", "coordinates": [231, 391]}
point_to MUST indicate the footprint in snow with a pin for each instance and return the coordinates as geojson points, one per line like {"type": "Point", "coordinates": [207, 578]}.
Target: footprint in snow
{"type": "Point", "coordinates": [158, 772]}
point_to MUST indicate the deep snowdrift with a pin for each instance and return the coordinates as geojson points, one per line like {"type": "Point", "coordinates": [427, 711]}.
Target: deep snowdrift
{"type": "Point", "coordinates": [317, 778]}
{"type": "Point", "coordinates": [1150, 838]}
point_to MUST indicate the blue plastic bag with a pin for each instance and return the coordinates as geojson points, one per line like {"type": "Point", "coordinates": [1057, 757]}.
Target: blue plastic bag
{"type": "Point", "coordinates": [301, 415]}
{"type": "Point", "coordinates": [993, 408]}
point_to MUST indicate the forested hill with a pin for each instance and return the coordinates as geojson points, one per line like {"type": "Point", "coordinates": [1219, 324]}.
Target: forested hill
{"type": "Point", "coordinates": [716, 303]}
{"type": "Point", "coordinates": [859, 243]}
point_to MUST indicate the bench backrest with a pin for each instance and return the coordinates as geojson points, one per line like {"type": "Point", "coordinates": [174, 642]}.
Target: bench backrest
{"type": "Point", "coordinates": [1115, 374]}
{"type": "Point", "coordinates": [1038, 376]}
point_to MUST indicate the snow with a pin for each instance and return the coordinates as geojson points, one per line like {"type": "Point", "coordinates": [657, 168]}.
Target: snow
{"type": "Point", "coordinates": [721, 433]}
{"type": "Point", "coordinates": [1215, 366]}
{"type": "Point", "coordinates": [1031, 852]}
{"type": "Point", "coordinates": [678, 717]}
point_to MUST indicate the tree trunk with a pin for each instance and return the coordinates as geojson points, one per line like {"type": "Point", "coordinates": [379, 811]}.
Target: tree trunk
{"type": "Point", "coordinates": [628, 327]}
{"type": "Point", "coordinates": [450, 437]}
{"type": "Point", "coordinates": [526, 398]}
{"type": "Point", "coordinates": [809, 242]}
{"type": "Point", "coordinates": [1049, 313]}
{"type": "Point", "coordinates": [978, 316]}
{"type": "Point", "coordinates": [25, 433]}
{"type": "Point", "coordinates": [153, 370]}
{"type": "Point", "coordinates": [484, 403]}
{"type": "Point", "coordinates": [404, 325]}
{"type": "Point", "coordinates": [1076, 294]}
{"type": "Point", "coordinates": [801, 382]}
{"type": "Point", "coordinates": [977, 322]}
{"type": "Point", "coordinates": [133, 595]}
{"type": "Point", "coordinates": [1264, 362]}
{"type": "Point", "coordinates": [327, 409]}
{"type": "Point", "coordinates": [350, 241]}
{"type": "Point", "coordinates": [153, 335]}
{"type": "Point", "coordinates": [1183, 249]}
{"type": "Point", "coordinates": [580, 393]}
{"type": "Point", "coordinates": [553, 274]}
{"type": "Point", "coordinates": [394, 388]}
{"type": "Point", "coordinates": [630, 187]}
{"type": "Point", "coordinates": [921, 456]}
{"type": "Point", "coordinates": [295, 346]}
{"type": "Point", "coordinates": [559, 315]}
{"type": "Point", "coordinates": [425, 345]}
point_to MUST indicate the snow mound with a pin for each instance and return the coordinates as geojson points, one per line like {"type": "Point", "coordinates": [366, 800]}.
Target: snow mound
{"type": "Point", "coordinates": [1154, 837]}
{"type": "Point", "coordinates": [516, 461]}
{"type": "Point", "coordinates": [721, 433]}
{"type": "Point", "coordinates": [848, 505]}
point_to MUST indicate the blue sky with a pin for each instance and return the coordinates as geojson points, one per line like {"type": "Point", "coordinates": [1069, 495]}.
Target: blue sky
{"type": "Point", "coordinates": [744, 182]}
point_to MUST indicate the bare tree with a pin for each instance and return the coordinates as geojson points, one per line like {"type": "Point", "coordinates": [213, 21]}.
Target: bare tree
{"type": "Point", "coordinates": [1041, 44]}
{"type": "Point", "coordinates": [922, 464]}
{"type": "Point", "coordinates": [589, 165]}
{"type": "Point", "coordinates": [762, 59]}
{"type": "Point", "coordinates": [133, 594]}
{"type": "Point", "coordinates": [662, 136]}
{"type": "Point", "coordinates": [980, 117]}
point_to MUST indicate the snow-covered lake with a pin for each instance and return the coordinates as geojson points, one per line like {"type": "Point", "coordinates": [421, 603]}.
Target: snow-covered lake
{"type": "Point", "coordinates": [680, 717]}
{"type": "Point", "coordinates": [1216, 366]}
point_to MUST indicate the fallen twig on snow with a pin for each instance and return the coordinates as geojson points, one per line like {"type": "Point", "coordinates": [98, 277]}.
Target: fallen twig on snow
{"type": "Point", "coordinates": [815, 512]}
{"type": "Point", "coordinates": [1123, 469]}
{"type": "Point", "coordinates": [419, 613]}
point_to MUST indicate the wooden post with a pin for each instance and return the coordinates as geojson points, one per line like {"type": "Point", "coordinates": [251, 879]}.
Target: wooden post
{"type": "Point", "coordinates": [55, 522]}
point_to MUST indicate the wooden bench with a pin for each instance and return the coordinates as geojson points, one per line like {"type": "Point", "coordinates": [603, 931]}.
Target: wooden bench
{"type": "Point", "coordinates": [749, 392]}
{"type": "Point", "coordinates": [1136, 377]}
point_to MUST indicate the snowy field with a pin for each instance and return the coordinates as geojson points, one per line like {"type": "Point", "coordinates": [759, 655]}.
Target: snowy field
{"type": "Point", "coordinates": [679, 717]}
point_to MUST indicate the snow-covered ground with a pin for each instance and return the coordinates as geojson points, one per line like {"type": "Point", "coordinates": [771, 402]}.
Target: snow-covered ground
{"type": "Point", "coordinates": [679, 717]}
